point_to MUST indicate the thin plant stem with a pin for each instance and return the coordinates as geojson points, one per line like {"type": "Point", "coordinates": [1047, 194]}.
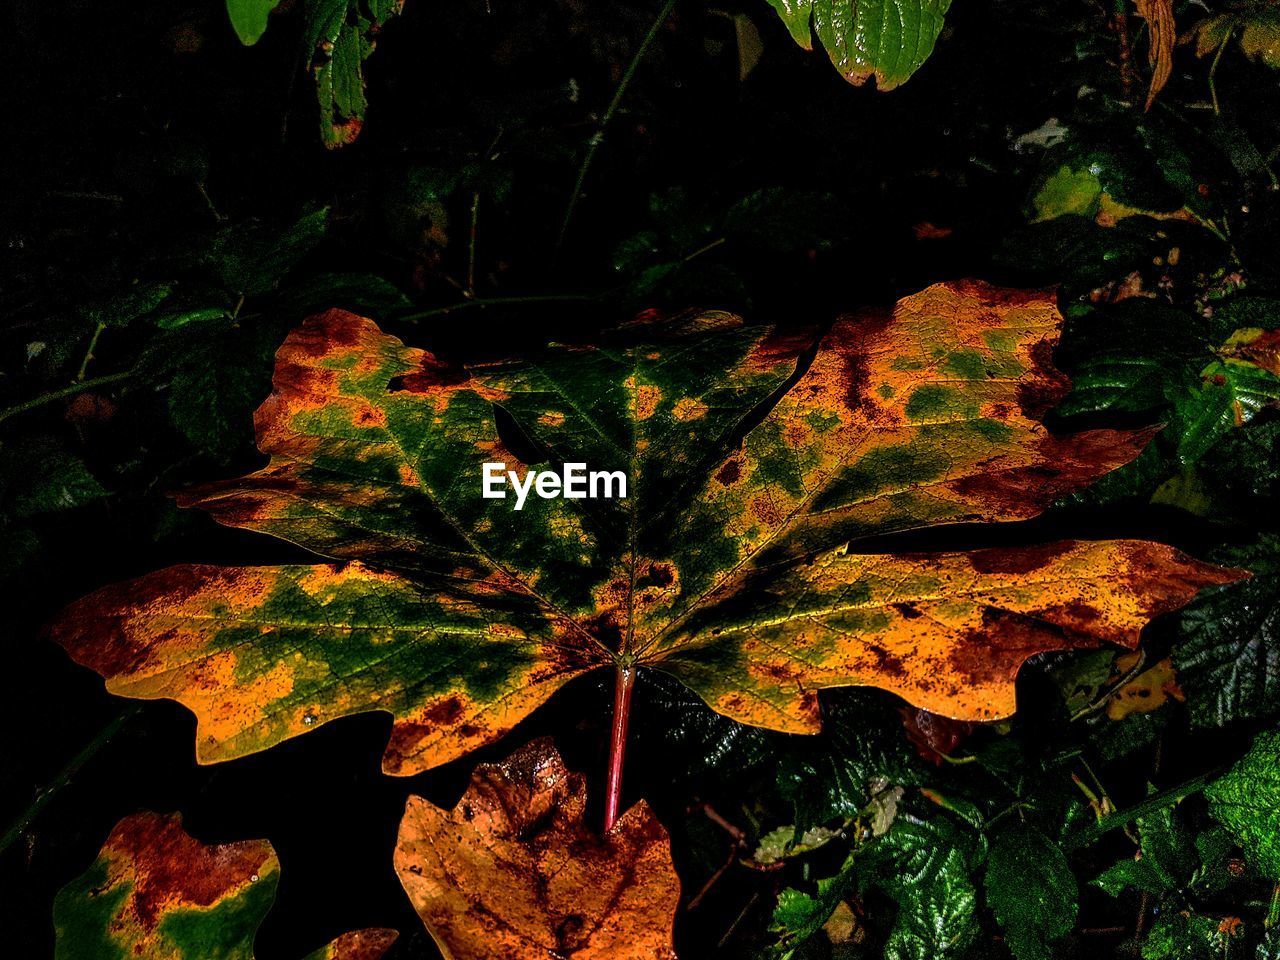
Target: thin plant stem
{"type": "Point", "coordinates": [624, 684]}
{"type": "Point", "coordinates": [471, 244]}
{"type": "Point", "coordinates": [78, 387]}
{"type": "Point", "coordinates": [1105, 697]}
{"type": "Point", "coordinates": [88, 354]}
{"type": "Point", "coordinates": [598, 137]}
{"type": "Point", "coordinates": [479, 303]}
{"type": "Point", "coordinates": [1213, 71]}
{"type": "Point", "coordinates": [1158, 801]}
{"type": "Point", "coordinates": [55, 786]}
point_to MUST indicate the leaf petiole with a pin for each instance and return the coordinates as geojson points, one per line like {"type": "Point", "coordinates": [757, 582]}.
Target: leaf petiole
{"type": "Point", "coordinates": [624, 684]}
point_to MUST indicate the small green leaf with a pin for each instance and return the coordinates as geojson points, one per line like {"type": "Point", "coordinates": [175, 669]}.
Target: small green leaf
{"type": "Point", "coordinates": [249, 18]}
{"type": "Point", "coordinates": [40, 476]}
{"type": "Point", "coordinates": [1246, 800]}
{"type": "Point", "coordinates": [799, 916]}
{"type": "Point", "coordinates": [1140, 875]}
{"type": "Point", "coordinates": [1031, 890]}
{"type": "Point", "coordinates": [252, 258]}
{"type": "Point", "coordinates": [122, 309]}
{"type": "Point", "coordinates": [885, 39]}
{"type": "Point", "coordinates": [185, 318]}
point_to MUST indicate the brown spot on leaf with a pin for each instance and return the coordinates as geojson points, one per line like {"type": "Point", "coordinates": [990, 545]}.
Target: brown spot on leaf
{"type": "Point", "coordinates": [174, 870]}
{"type": "Point", "coordinates": [1018, 560]}
{"type": "Point", "coordinates": [1045, 386]}
{"type": "Point", "coordinates": [729, 472]}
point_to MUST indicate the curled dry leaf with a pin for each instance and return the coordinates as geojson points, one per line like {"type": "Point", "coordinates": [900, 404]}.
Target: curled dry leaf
{"type": "Point", "coordinates": [155, 891]}
{"type": "Point", "coordinates": [1163, 34]}
{"type": "Point", "coordinates": [752, 456]}
{"type": "Point", "coordinates": [512, 872]}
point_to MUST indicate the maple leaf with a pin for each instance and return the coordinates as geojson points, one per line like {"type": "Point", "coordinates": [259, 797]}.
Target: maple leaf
{"type": "Point", "coordinates": [512, 870]}
{"type": "Point", "coordinates": [155, 891]}
{"type": "Point", "coordinates": [753, 460]}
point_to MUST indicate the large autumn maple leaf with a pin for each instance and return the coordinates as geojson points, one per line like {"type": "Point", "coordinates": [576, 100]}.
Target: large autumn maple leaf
{"type": "Point", "coordinates": [726, 565]}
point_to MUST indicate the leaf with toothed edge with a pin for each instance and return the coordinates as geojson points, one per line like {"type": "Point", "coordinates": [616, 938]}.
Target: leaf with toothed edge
{"type": "Point", "coordinates": [885, 39]}
{"type": "Point", "coordinates": [513, 872]}
{"type": "Point", "coordinates": [155, 891]}
{"type": "Point", "coordinates": [752, 458]}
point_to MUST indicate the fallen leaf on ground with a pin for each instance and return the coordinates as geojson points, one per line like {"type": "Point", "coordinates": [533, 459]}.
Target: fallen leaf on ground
{"type": "Point", "coordinates": [751, 470]}
{"type": "Point", "coordinates": [514, 873]}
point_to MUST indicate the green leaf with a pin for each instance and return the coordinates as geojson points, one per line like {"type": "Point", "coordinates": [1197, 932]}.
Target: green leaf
{"type": "Point", "coordinates": [1228, 659]}
{"type": "Point", "coordinates": [885, 39]}
{"type": "Point", "coordinates": [1191, 936]}
{"type": "Point", "coordinates": [923, 866]}
{"type": "Point", "coordinates": [340, 37]}
{"type": "Point", "coordinates": [799, 916]}
{"type": "Point", "coordinates": [190, 317]}
{"type": "Point", "coordinates": [40, 476]}
{"type": "Point", "coordinates": [122, 309]}
{"type": "Point", "coordinates": [1031, 890]}
{"type": "Point", "coordinates": [1230, 394]}
{"type": "Point", "coordinates": [216, 386]}
{"type": "Point", "coordinates": [1140, 875]}
{"type": "Point", "coordinates": [252, 258]}
{"type": "Point", "coordinates": [833, 776]}
{"type": "Point", "coordinates": [1112, 169]}
{"type": "Point", "coordinates": [1246, 800]}
{"type": "Point", "coordinates": [249, 18]}
{"type": "Point", "coordinates": [1124, 357]}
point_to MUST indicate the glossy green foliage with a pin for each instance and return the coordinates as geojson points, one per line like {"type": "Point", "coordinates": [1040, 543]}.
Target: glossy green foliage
{"type": "Point", "coordinates": [1228, 662]}
{"type": "Point", "coordinates": [885, 39]}
{"type": "Point", "coordinates": [1247, 801]}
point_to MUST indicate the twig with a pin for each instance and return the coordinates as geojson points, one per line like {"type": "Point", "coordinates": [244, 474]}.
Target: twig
{"type": "Point", "coordinates": [496, 302]}
{"type": "Point", "coordinates": [88, 354]}
{"type": "Point", "coordinates": [1104, 698]}
{"type": "Point", "coordinates": [598, 137]}
{"type": "Point", "coordinates": [1164, 798]}
{"type": "Point", "coordinates": [78, 387]}
{"type": "Point", "coordinates": [710, 812]}
{"type": "Point", "coordinates": [738, 920]}
{"type": "Point", "coordinates": [48, 792]}
{"type": "Point", "coordinates": [1213, 69]}
{"type": "Point", "coordinates": [713, 879]}
{"type": "Point", "coordinates": [471, 244]}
